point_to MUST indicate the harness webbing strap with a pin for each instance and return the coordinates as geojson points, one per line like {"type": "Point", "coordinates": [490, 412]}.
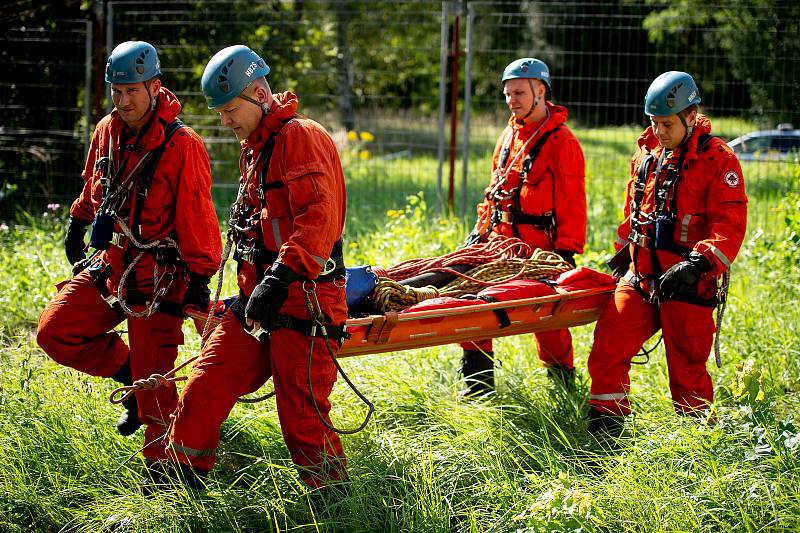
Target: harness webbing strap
{"type": "Point", "coordinates": [516, 215]}
{"type": "Point", "coordinates": [143, 182]}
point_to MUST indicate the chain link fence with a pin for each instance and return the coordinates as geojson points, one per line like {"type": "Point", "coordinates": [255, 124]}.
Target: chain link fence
{"type": "Point", "coordinates": [43, 99]}
{"type": "Point", "coordinates": [411, 90]}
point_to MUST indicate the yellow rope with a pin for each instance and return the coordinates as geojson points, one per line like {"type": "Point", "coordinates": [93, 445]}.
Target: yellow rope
{"type": "Point", "coordinates": [389, 295]}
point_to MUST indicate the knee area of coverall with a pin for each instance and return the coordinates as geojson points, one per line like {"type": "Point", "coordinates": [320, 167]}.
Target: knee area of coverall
{"type": "Point", "coordinates": [695, 343]}
{"type": "Point", "coordinates": [554, 348]}
{"type": "Point", "coordinates": [309, 442]}
{"type": "Point", "coordinates": [298, 396]}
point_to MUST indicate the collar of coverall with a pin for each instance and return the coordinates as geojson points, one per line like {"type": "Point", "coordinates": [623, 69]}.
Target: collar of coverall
{"type": "Point", "coordinates": [167, 109]}
{"type": "Point", "coordinates": [284, 107]}
{"type": "Point", "coordinates": [702, 125]}
{"type": "Point", "coordinates": [558, 116]}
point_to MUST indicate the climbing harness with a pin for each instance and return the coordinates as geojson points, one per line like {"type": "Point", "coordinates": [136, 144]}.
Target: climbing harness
{"type": "Point", "coordinates": [165, 251]}
{"type": "Point", "coordinates": [506, 204]}
{"type": "Point", "coordinates": [244, 235]}
{"type": "Point", "coordinates": [654, 231]}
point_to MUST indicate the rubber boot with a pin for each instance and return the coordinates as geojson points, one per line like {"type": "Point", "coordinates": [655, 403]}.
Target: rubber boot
{"type": "Point", "coordinates": [477, 367]}
{"type": "Point", "coordinates": [562, 377]}
{"type": "Point", "coordinates": [603, 426]}
{"type": "Point", "coordinates": [128, 422]}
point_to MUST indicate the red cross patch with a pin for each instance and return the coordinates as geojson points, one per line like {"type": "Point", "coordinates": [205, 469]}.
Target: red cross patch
{"type": "Point", "coordinates": [731, 179]}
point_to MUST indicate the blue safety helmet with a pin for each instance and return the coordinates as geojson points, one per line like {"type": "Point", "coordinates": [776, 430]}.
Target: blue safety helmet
{"type": "Point", "coordinates": [528, 68]}
{"type": "Point", "coordinates": [229, 72]}
{"type": "Point", "coordinates": [132, 62]}
{"type": "Point", "coordinates": [670, 93]}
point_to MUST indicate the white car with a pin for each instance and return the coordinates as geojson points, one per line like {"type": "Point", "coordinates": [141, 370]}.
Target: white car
{"type": "Point", "coordinates": [768, 145]}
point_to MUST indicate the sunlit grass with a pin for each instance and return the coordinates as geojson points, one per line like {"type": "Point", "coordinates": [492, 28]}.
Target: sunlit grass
{"type": "Point", "coordinates": [521, 461]}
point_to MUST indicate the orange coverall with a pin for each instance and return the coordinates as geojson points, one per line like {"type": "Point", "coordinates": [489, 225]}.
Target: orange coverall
{"type": "Point", "coordinates": [75, 329]}
{"type": "Point", "coordinates": [301, 216]}
{"type": "Point", "coordinates": [554, 185]}
{"type": "Point", "coordinates": [711, 218]}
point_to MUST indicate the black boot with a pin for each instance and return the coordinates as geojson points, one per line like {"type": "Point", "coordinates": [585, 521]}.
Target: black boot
{"type": "Point", "coordinates": [128, 422]}
{"type": "Point", "coordinates": [603, 426]}
{"type": "Point", "coordinates": [562, 377]}
{"type": "Point", "coordinates": [477, 367]}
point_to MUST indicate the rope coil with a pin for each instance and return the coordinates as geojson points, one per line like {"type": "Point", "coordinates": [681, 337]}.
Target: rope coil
{"type": "Point", "coordinates": [389, 295]}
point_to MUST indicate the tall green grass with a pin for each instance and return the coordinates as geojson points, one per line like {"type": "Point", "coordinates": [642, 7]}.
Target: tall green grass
{"type": "Point", "coordinates": [520, 461]}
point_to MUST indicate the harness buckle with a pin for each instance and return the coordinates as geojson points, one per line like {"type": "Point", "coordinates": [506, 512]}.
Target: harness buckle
{"type": "Point", "coordinates": [259, 334]}
{"type": "Point", "coordinates": [330, 266]}
{"type": "Point", "coordinates": [118, 239]}
{"type": "Point", "coordinates": [246, 253]}
{"type": "Point", "coordinates": [110, 299]}
{"type": "Point", "coordinates": [504, 217]}
{"type": "Point", "coordinates": [639, 239]}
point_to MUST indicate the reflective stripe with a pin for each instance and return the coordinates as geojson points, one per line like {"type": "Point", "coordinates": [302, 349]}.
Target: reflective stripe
{"type": "Point", "coordinates": [613, 396]}
{"type": "Point", "coordinates": [621, 241]}
{"type": "Point", "coordinates": [276, 233]}
{"type": "Point", "coordinates": [191, 452]}
{"type": "Point", "coordinates": [685, 228]}
{"type": "Point", "coordinates": [320, 261]}
{"type": "Point", "coordinates": [716, 251]}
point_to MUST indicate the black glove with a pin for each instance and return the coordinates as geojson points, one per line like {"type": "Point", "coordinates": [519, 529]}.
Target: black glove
{"type": "Point", "coordinates": [73, 241]}
{"type": "Point", "coordinates": [197, 293]}
{"type": "Point", "coordinates": [567, 256]}
{"type": "Point", "coordinates": [269, 295]}
{"type": "Point", "coordinates": [681, 279]}
{"type": "Point", "coordinates": [620, 263]}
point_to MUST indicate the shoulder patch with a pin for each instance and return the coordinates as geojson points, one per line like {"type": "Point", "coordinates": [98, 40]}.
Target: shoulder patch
{"type": "Point", "coordinates": [731, 179]}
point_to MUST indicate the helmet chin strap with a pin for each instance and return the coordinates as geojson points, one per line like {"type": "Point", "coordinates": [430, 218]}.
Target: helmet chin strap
{"type": "Point", "coordinates": [533, 107]}
{"type": "Point", "coordinates": [149, 95]}
{"type": "Point", "coordinates": [263, 105]}
{"type": "Point", "coordinates": [687, 127]}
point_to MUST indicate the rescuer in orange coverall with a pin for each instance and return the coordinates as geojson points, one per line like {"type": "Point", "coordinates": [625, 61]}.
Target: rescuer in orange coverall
{"type": "Point", "coordinates": [685, 219]}
{"type": "Point", "coordinates": [287, 225]}
{"type": "Point", "coordinates": [537, 194]}
{"type": "Point", "coordinates": [149, 204]}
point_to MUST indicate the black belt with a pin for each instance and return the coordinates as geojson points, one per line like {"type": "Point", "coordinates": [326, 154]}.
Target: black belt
{"type": "Point", "coordinates": [644, 241]}
{"type": "Point", "coordinates": [306, 327]}
{"type": "Point", "coordinates": [543, 222]}
{"type": "Point", "coordinates": [258, 255]}
{"type": "Point", "coordinates": [635, 281]}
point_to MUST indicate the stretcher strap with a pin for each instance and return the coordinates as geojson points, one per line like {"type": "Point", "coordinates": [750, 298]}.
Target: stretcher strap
{"type": "Point", "coordinates": [381, 327]}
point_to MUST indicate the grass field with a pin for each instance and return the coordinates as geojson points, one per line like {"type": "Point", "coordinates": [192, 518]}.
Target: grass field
{"type": "Point", "coordinates": [520, 461]}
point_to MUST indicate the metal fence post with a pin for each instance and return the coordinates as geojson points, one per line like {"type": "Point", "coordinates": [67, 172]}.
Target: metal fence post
{"type": "Point", "coordinates": [443, 51]}
{"type": "Point", "coordinates": [467, 103]}
{"type": "Point", "coordinates": [87, 92]}
{"type": "Point", "coordinates": [109, 41]}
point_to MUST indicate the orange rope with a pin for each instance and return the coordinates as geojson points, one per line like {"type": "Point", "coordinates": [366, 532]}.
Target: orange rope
{"type": "Point", "coordinates": [497, 248]}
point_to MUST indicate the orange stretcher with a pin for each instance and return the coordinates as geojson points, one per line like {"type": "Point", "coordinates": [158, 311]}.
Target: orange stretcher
{"type": "Point", "coordinates": [394, 331]}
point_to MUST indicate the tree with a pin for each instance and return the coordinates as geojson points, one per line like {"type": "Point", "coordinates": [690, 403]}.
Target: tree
{"type": "Point", "coordinates": [759, 42]}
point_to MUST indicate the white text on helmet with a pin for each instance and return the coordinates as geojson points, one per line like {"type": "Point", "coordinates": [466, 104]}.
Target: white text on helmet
{"type": "Point", "coordinates": [252, 68]}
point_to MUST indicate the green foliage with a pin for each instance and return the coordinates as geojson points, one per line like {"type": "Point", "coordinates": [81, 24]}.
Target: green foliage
{"type": "Point", "coordinates": [750, 37]}
{"type": "Point", "coordinates": [521, 461]}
